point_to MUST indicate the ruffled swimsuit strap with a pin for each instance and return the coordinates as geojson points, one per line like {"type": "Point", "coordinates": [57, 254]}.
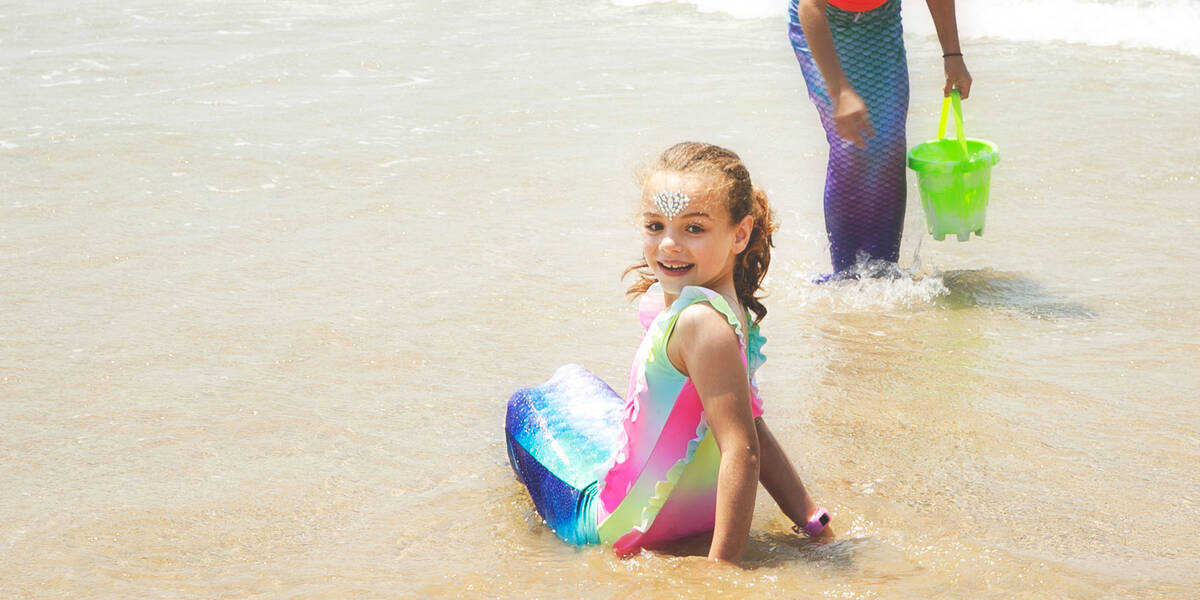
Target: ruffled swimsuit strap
{"type": "Point", "coordinates": [652, 305]}
{"type": "Point", "coordinates": [693, 294]}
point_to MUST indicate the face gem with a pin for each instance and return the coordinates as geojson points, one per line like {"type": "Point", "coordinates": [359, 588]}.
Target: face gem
{"type": "Point", "coordinates": [671, 203]}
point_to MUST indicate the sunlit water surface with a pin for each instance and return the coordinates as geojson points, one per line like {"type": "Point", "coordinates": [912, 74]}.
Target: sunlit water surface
{"type": "Point", "coordinates": [271, 271]}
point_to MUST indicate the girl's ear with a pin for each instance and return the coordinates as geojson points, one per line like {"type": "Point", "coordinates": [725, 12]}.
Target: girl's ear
{"type": "Point", "coordinates": [741, 234]}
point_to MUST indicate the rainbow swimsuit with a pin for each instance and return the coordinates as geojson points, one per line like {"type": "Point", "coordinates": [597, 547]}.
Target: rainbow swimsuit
{"type": "Point", "coordinates": [865, 190]}
{"type": "Point", "coordinates": [629, 473]}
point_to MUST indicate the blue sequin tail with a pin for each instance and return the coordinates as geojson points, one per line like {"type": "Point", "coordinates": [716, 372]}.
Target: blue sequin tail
{"type": "Point", "coordinates": [559, 434]}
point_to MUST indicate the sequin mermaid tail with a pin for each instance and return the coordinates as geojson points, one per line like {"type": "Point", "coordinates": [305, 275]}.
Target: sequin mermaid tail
{"type": "Point", "coordinates": [865, 190]}
{"type": "Point", "coordinates": [559, 435]}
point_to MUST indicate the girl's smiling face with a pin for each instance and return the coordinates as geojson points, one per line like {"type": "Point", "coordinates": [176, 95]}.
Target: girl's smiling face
{"type": "Point", "coordinates": [696, 246]}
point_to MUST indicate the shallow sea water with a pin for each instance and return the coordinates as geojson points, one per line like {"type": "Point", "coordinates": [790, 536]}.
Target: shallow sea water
{"type": "Point", "coordinates": [271, 271]}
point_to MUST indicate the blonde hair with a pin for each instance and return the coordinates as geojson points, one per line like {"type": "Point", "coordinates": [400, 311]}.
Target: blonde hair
{"type": "Point", "coordinates": [725, 168]}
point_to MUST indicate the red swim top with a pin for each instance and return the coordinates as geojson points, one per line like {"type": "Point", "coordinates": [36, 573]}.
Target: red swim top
{"type": "Point", "coordinates": [857, 5]}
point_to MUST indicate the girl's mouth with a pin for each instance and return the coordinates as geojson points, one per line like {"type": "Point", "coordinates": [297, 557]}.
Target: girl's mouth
{"type": "Point", "coordinates": [676, 270]}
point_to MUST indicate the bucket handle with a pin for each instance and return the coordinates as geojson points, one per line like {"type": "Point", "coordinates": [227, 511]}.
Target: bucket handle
{"type": "Point", "coordinates": [955, 101]}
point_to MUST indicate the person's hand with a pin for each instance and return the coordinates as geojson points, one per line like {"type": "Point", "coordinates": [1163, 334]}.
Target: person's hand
{"type": "Point", "coordinates": [957, 77]}
{"type": "Point", "coordinates": [850, 118]}
{"type": "Point", "coordinates": [826, 535]}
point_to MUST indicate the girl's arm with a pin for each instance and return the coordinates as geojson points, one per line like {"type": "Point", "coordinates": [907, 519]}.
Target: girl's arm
{"type": "Point", "coordinates": [850, 117]}
{"type": "Point", "coordinates": [779, 477]}
{"type": "Point", "coordinates": [946, 24]}
{"type": "Point", "coordinates": [706, 349]}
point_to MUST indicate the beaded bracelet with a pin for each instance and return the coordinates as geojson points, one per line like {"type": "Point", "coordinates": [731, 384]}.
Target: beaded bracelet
{"type": "Point", "coordinates": [949, 54]}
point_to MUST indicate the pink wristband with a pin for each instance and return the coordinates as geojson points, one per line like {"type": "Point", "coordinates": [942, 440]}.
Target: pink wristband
{"type": "Point", "coordinates": [816, 524]}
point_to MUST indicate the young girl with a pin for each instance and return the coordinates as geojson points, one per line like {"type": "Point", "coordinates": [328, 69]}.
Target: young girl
{"type": "Point", "coordinates": [684, 453]}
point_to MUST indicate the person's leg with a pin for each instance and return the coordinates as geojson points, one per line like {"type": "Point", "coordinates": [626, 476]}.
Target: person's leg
{"type": "Point", "coordinates": [865, 189]}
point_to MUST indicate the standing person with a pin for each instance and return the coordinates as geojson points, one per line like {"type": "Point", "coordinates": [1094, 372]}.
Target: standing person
{"type": "Point", "coordinates": [684, 452]}
{"type": "Point", "coordinates": [852, 55]}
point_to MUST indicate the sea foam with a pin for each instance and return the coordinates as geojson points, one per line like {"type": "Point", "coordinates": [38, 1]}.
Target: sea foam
{"type": "Point", "coordinates": [1153, 24]}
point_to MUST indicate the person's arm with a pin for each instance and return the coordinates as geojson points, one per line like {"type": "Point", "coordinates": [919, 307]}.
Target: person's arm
{"type": "Point", "coordinates": [706, 349]}
{"type": "Point", "coordinates": [779, 477]}
{"type": "Point", "coordinates": [850, 118]}
{"type": "Point", "coordinates": [946, 24]}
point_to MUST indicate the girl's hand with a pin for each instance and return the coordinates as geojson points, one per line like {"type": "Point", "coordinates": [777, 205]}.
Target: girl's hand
{"type": "Point", "coordinates": [826, 535]}
{"type": "Point", "coordinates": [957, 77]}
{"type": "Point", "coordinates": [850, 118]}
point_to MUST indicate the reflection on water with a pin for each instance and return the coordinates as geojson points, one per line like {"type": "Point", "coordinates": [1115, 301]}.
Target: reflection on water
{"type": "Point", "coordinates": [775, 548]}
{"type": "Point", "coordinates": [988, 288]}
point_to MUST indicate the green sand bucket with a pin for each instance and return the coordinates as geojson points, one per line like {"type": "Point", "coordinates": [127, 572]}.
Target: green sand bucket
{"type": "Point", "coordinates": [953, 175]}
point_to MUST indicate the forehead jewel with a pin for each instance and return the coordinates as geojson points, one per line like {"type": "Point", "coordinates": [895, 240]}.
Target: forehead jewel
{"type": "Point", "coordinates": [671, 203]}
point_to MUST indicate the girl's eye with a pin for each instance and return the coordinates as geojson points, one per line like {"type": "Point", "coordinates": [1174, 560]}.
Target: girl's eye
{"type": "Point", "coordinates": [654, 226]}
{"type": "Point", "coordinates": [695, 229]}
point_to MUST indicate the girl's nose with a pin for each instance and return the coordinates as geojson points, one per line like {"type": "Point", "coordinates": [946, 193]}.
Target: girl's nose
{"type": "Point", "coordinates": [668, 243]}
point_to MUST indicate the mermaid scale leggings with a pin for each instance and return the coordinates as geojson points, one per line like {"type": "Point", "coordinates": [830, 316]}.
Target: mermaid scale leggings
{"type": "Point", "coordinates": [865, 190]}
